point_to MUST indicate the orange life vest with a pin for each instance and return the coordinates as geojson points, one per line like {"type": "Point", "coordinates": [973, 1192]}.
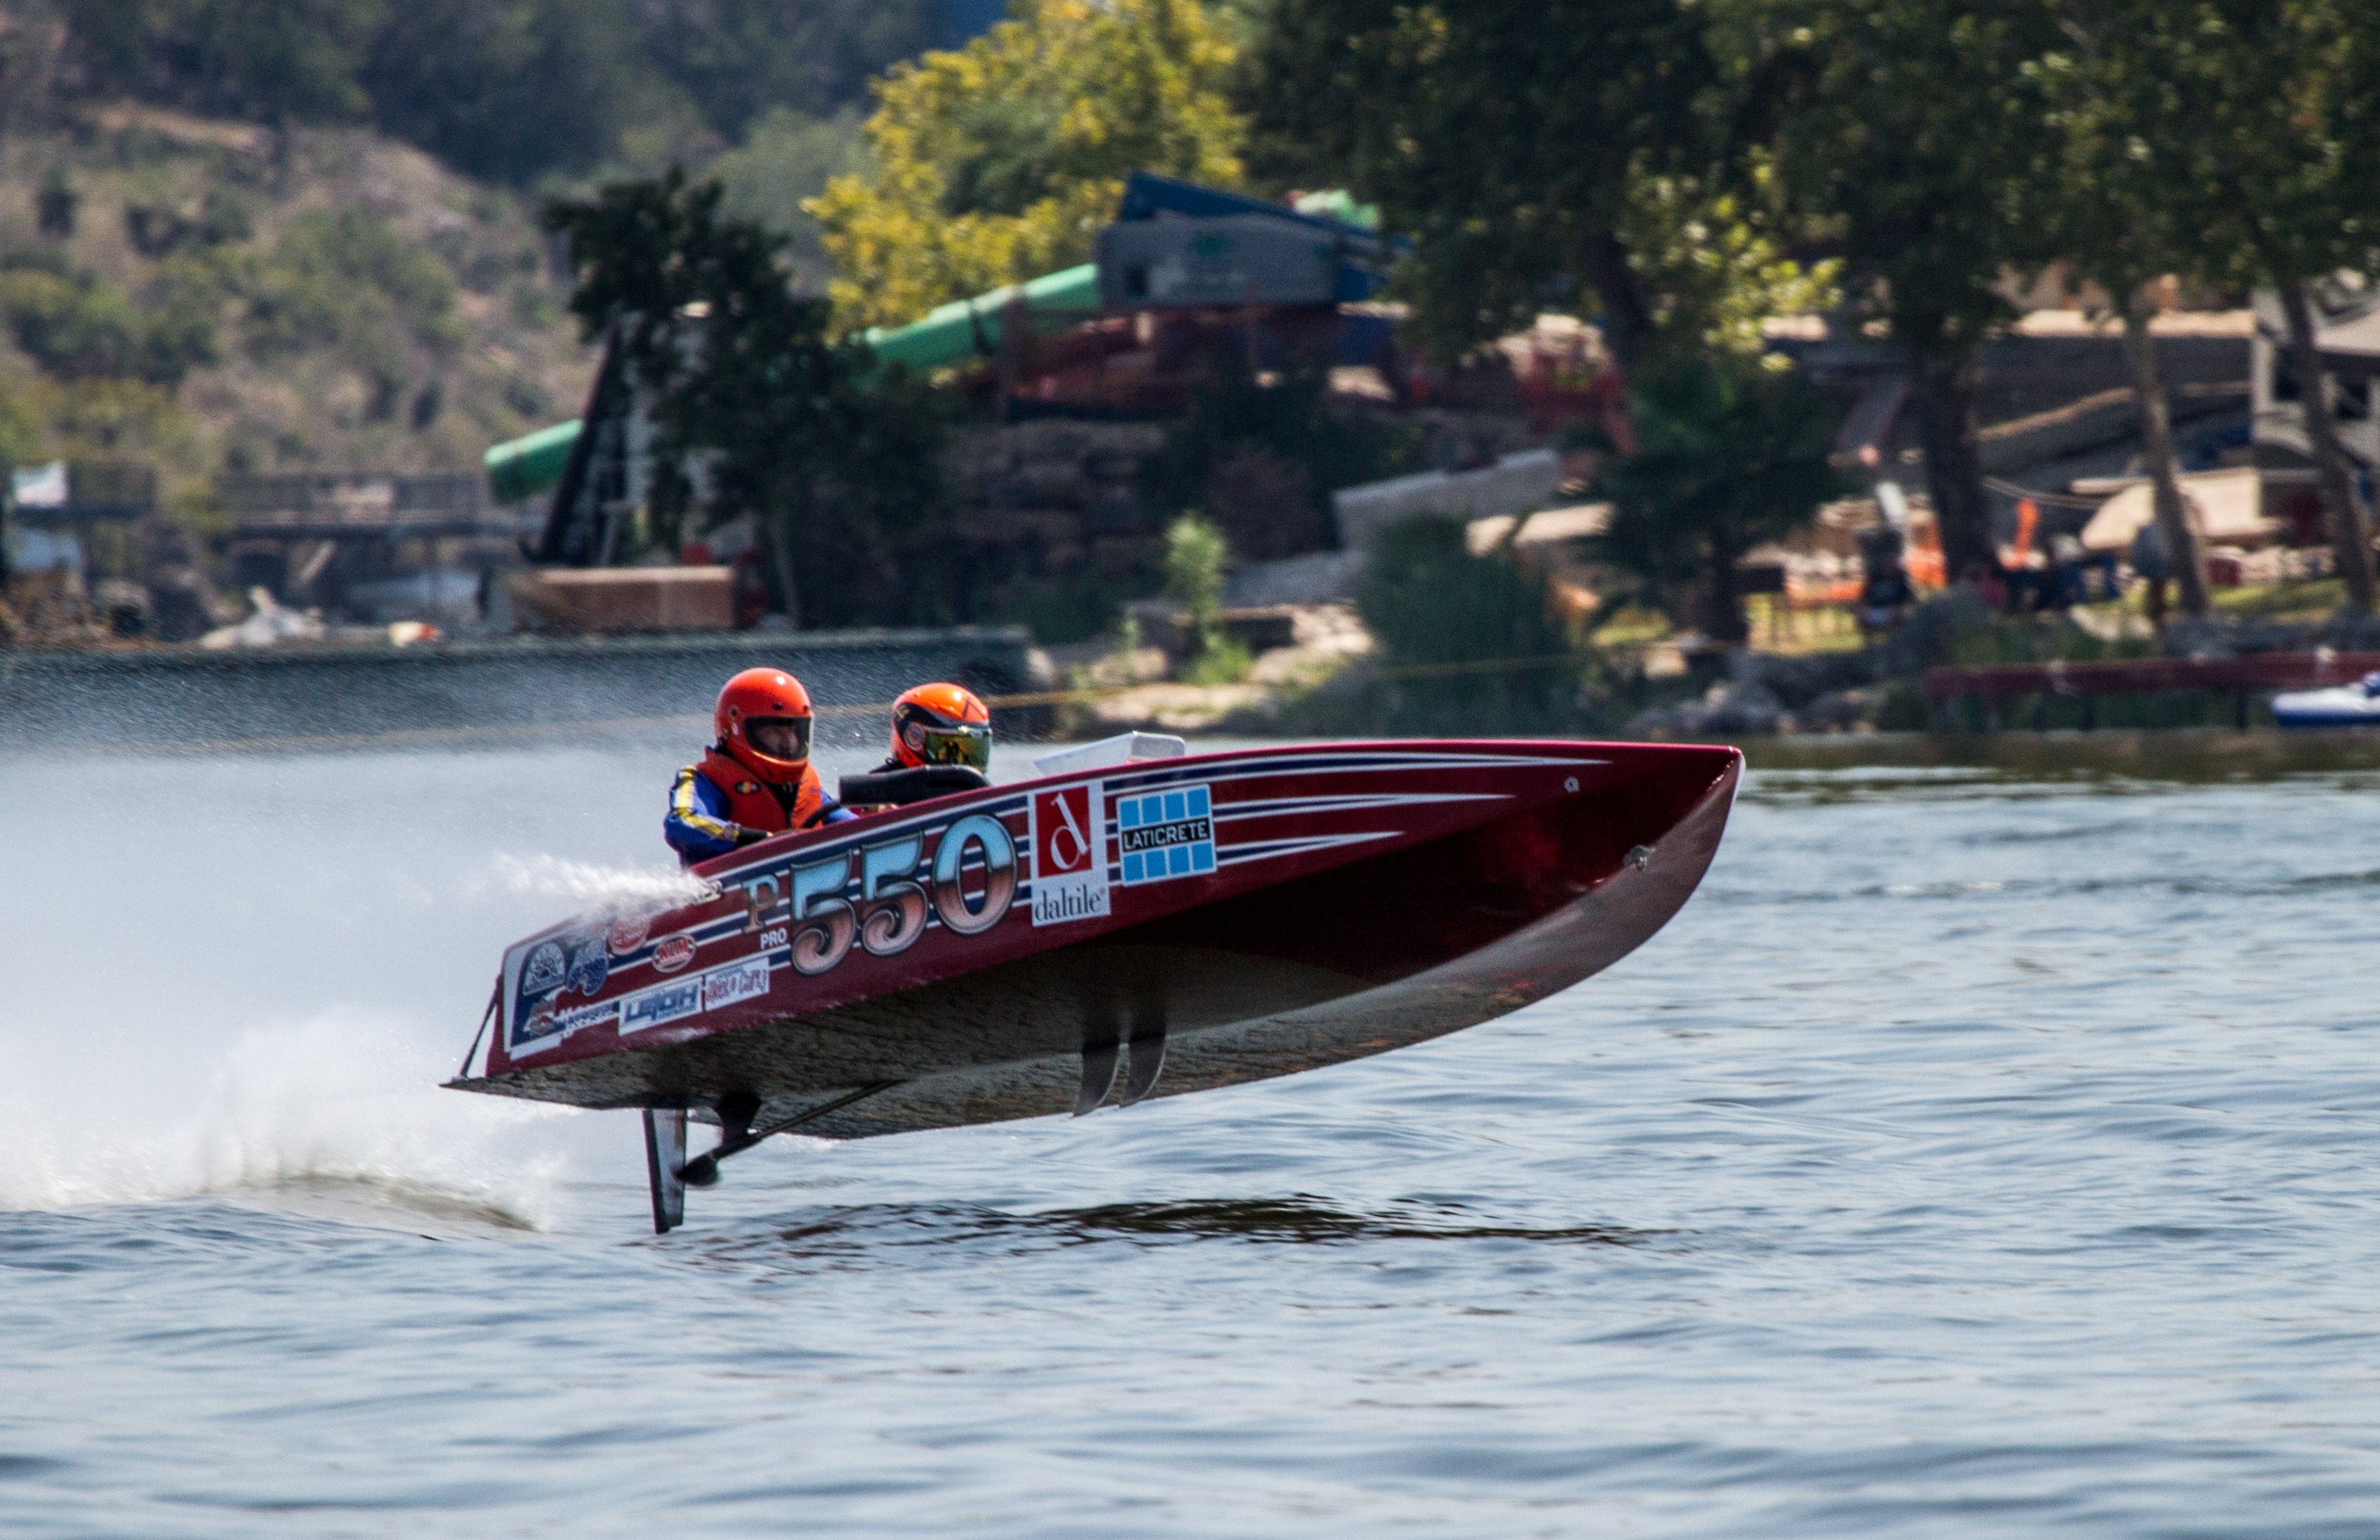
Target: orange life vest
{"type": "Point", "coordinates": [754, 803]}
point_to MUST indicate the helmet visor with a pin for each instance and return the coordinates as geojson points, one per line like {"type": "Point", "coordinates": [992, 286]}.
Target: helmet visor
{"type": "Point", "coordinates": [780, 737]}
{"type": "Point", "coordinates": [968, 743]}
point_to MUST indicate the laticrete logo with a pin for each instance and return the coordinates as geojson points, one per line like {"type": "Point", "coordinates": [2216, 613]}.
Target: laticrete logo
{"type": "Point", "coordinates": [1165, 835]}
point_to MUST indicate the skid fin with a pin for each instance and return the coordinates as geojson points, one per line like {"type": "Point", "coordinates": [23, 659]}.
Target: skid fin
{"type": "Point", "coordinates": [664, 1159]}
{"type": "Point", "coordinates": [1145, 1053]}
{"type": "Point", "coordinates": [1101, 1038]}
{"type": "Point", "coordinates": [1099, 1074]}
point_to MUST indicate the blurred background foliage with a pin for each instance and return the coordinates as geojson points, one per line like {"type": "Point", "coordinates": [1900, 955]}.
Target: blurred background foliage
{"type": "Point", "coordinates": [839, 461]}
{"type": "Point", "coordinates": [1469, 644]}
{"type": "Point", "coordinates": [1000, 162]}
{"type": "Point", "coordinates": [1262, 457]}
{"type": "Point", "coordinates": [1727, 455]}
{"type": "Point", "coordinates": [509, 89]}
{"type": "Point", "coordinates": [279, 235]}
{"type": "Point", "coordinates": [262, 235]}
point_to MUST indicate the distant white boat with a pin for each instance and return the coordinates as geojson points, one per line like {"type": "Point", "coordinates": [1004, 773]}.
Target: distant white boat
{"type": "Point", "coordinates": [2340, 706]}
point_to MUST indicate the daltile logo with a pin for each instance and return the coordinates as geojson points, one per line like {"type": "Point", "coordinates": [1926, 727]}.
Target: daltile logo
{"type": "Point", "coordinates": [1070, 866]}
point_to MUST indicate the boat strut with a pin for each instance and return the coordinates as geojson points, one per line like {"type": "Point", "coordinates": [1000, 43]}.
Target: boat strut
{"type": "Point", "coordinates": [703, 1169]}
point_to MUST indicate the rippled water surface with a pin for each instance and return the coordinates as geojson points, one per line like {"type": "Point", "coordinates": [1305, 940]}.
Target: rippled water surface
{"type": "Point", "coordinates": [1971, 1156]}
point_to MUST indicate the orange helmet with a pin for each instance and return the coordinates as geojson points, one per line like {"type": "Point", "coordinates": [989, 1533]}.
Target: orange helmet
{"type": "Point", "coordinates": [942, 725]}
{"type": "Point", "coordinates": [765, 696]}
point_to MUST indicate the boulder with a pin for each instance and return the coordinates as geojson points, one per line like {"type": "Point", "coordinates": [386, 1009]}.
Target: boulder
{"type": "Point", "coordinates": [1843, 711]}
{"type": "Point", "coordinates": [1798, 680]}
{"type": "Point", "coordinates": [1731, 710]}
{"type": "Point", "coordinates": [2226, 637]}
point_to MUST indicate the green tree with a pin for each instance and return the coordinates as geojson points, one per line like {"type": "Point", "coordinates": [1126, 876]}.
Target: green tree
{"type": "Point", "coordinates": [76, 326]}
{"type": "Point", "coordinates": [739, 59]}
{"type": "Point", "coordinates": [1196, 556]}
{"type": "Point", "coordinates": [1509, 138]}
{"type": "Point", "coordinates": [1712, 257]}
{"type": "Point", "coordinates": [2127, 206]}
{"type": "Point", "coordinates": [508, 89]}
{"type": "Point", "coordinates": [274, 61]}
{"type": "Point", "coordinates": [2281, 103]}
{"type": "Point", "coordinates": [1470, 632]}
{"type": "Point", "coordinates": [1727, 456]}
{"type": "Point", "coordinates": [1285, 425]}
{"type": "Point", "coordinates": [747, 393]}
{"type": "Point", "coordinates": [1001, 161]}
{"type": "Point", "coordinates": [347, 278]}
{"type": "Point", "coordinates": [1905, 128]}
{"type": "Point", "coordinates": [785, 160]}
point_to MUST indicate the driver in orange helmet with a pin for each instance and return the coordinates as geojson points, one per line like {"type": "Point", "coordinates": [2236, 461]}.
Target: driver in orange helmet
{"type": "Point", "coordinates": [940, 724]}
{"type": "Point", "coordinates": [756, 781]}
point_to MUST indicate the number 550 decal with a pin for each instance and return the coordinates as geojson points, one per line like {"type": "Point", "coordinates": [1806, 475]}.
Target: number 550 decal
{"type": "Point", "coordinates": [998, 874]}
{"type": "Point", "coordinates": [889, 913]}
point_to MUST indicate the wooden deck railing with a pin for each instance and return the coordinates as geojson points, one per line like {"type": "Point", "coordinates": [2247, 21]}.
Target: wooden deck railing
{"type": "Point", "coordinates": [2241, 677]}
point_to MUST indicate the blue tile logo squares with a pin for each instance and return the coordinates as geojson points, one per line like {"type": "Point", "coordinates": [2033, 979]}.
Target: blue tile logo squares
{"type": "Point", "coordinates": [1165, 835]}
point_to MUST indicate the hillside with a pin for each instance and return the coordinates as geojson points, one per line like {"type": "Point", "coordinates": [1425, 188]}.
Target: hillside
{"type": "Point", "coordinates": [196, 293]}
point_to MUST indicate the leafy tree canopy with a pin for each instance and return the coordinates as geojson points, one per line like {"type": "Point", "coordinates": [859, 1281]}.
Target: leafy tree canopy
{"type": "Point", "coordinates": [840, 463]}
{"type": "Point", "coordinates": [1904, 128]}
{"type": "Point", "coordinates": [784, 161]}
{"type": "Point", "coordinates": [505, 89]}
{"type": "Point", "coordinates": [1713, 262]}
{"type": "Point", "coordinates": [2263, 119]}
{"type": "Point", "coordinates": [1727, 456]}
{"type": "Point", "coordinates": [737, 59]}
{"type": "Point", "coordinates": [1001, 161]}
{"type": "Point", "coordinates": [1510, 139]}
{"type": "Point", "coordinates": [277, 61]}
{"type": "Point", "coordinates": [508, 89]}
{"type": "Point", "coordinates": [2284, 99]}
{"type": "Point", "coordinates": [1287, 422]}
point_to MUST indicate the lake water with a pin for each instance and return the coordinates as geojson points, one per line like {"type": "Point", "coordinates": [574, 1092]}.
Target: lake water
{"type": "Point", "coordinates": [1972, 1156]}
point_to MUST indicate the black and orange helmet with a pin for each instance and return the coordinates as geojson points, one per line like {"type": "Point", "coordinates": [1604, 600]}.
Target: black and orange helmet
{"type": "Point", "coordinates": [764, 696]}
{"type": "Point", "coordinates": [942, 725]}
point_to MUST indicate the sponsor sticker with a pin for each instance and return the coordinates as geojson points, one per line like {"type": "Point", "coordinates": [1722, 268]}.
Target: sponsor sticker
{"type": "Point", "coordinates": [627, 933]}
{"type": "Point", "coordinates": [590, 966]}
{"type": "Point", "coordinates": [1070, 866]}
{"type": "Point", "coordinates": [661, 1005]}
{"type": "Point", "coordinates": [674, 953]}
{"type": "Point", "coordinates": [545, 968]}
{"type": "Point", "coordinates": [545, 1026]}
{"type": "Point", "coordinates": [537, 1030]}
{"type": "Point", "coordinates": [1162, 835]}
{"type": "Point", "coordinates": [745, 980]}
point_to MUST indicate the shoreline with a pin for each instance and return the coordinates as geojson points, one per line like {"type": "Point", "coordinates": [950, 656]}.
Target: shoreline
{"type": "Point", "coordinates": [2161, 753]}
{"type": "Point", "coordinates": [340, 695]}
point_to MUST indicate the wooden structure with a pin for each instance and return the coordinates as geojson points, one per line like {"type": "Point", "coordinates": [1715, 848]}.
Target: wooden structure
{"type": "Point", "coordinates": [600, 599]}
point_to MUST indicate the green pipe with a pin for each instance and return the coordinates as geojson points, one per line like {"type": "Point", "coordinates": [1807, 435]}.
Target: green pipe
{"type": "Point", "coordinates": [526, 467]}
{"type": "Point", "coordinates": [964, 329]}
{"type": "Point", "coordinates": [949, 335]}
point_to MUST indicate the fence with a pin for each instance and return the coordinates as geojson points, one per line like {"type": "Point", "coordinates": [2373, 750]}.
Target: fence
{"type": "Point", "coordinates": [2241, 678]}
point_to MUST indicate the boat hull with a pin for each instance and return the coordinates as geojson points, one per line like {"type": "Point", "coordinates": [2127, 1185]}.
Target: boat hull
{"type": "Point", "coordinates": [1344, 901]}
{"type": "Point", "coordinates": [2355, 705]}
{"type": "Point", "coordinates": [2327, 709]}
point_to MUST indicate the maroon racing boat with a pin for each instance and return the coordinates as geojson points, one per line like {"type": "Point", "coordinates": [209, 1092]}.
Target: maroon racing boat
{"type": "Point", "coordinates": [1146, 928]}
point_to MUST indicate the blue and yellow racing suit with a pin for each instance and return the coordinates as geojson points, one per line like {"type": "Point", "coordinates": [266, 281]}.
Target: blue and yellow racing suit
{"type": "Point", "coordinates": [717, 805]}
